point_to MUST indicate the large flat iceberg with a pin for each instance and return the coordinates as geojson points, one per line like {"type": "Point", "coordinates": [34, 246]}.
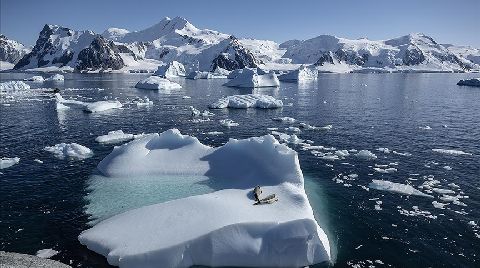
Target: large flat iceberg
{"type": "Point", "coordinates": [247, 101]}
{"type": "Point", "coordinates": [157, 82]}
{"type": "Point", "coordinates": [222, 228]}
{"type": "Point", "coordinates": [251, 78]}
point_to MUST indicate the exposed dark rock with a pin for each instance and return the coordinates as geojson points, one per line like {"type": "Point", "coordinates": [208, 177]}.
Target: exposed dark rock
{"type": "Point", "coordinates": [101, 54]}
{"type": "Point", "coordinates": [413, 56]}
{"type": "Point", "coordinates": [235, 56]}
{"type": "Point", "coordinates": [326, 57]}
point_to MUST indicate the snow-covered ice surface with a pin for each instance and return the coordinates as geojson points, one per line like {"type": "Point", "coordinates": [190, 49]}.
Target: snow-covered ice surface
{"type": "Point", "coordinates": [252, 78]}
{"type": "Point", "coordinates": [35, 78]}
{"type": "Point", "coordinates": [69, 150]}
{"type": "Point", "coordinates": [451, 152]}
{"type": "Point", "coordinates": [101, 106]}
{"type": "Point", "coordinates": [247, 101]}
{"type": "Point", "coordinates": [6, 162]}
{"type": "Point", "coordinates": [249, 235]}
{"type": "Point", "coordinates": [13, 85]}
{"type": "Point", "coordinates": [46, 253]}
{"type": "Point", "coordinates": [396, 188]}
{"type": "Point", "coordinates": [156, 82]}
{"type": "Point", "coordinates": [172, 69]}
{"type": "Point", "coordinates": [116, 136]}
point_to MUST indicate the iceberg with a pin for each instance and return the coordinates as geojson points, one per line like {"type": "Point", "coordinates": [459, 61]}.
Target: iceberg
{"type": "Point", "coordinates": [13, 85]}
{"type": "Point", "coordinates": [172, 69]}
{"type": "Point", "coordinates": [55, 77]}
{"type": "Point", "coordinates": [366, 155]}
{"type": "Point", "coordinates": [69, 150]}
{"type": "Point", "coordinates": [6, 162]}
{"type": "Point", "coordinates": [100, 106]}
{"type": "Point", "coordinates": [115, 136]}
{"type": "Point", "coordinates": [247, 101]}
{"type": "Point", "coordinates": [156, 82]}
{"type": "Point", "coordinates": [303, 73]}
{"type": "Point", "coordinates": [234, 73]}
{"type": "Point", "coordinates": [474, 82]}
{"type": "Point", "coordinates": [36, 78]}
{"type": "Point", "coordinates": [222, 228]}
{"type": "Point", "coordinates": [251, 78]}
{"type": "Point", "coordinates": [396, 188]}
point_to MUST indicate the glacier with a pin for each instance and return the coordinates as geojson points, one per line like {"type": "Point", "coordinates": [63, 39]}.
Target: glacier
{"type": "Point", "coordinates": [221, 228]}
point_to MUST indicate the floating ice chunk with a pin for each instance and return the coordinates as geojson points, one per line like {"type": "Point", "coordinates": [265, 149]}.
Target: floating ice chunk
{"type": "Point", "coordinates": [447, 167]}
{"type": "Point", "coordinates": [251, 78]}
{"type": "Point", "coordinates": [172, 69]}
{"type": "Point", "coordinates": [100, 106]}
{"type": "Point", "coordinates": [384, 150]}
{"type": "Point", "coordinates": [285, 119]}
{"type": "Point", "coordinates": [46, 253]}
{"type": "Point", "coordinates": [326, 127]}
{"type": "Point", "coordinates": [204, 75]}
{"type": "Point", "coordinates": [443, 191]}
{"type": "Point", "coordinates": [453, 185]}
{"type": "Point", "coordinates": [144, 102]}
{"type": "Point", "coordinates": [6, 162]}
{"type": "Point", "coordinates": [61, 100]}
{"type": "Point", "coordinates": [386, 170]}
{"type": "Point", "coordinates": [451, 152]}
{"type": "Point", "coordinates": [396, 188]}
{"type": "Point", "coordinates": [38, 161]}
{"type": "Point", "coordinates": [55, 77]}
{"type": "Point", "coordinates": [215, 133]}
{"type": "Point", "coordinates": [196, 112]}
{"type": "Point", "coordinates": [69, 150]}
{"type": "Point", "coordinates": [303, 73]}
{"type": "Point", "coordinates": [115, 136]}
{"type": "Point", "coordinates": [366, 155]}
{"type": "Point", "coordinates": [292, 139]}
{"type": "Point", "coordinates": [342, 153]}
{"type": "Point", "coordinates": [13, 85]}
{"type": "Point", "coordinates": [474, 82]}
{"type": "Point", "coordinates": [247, 101]}
{"type": "Point", "coordinates": [222, 228]}
{"type": "Point", "coordinates": [35, 78]}
{"type": "Point", "coordinates": [439, 205]}
{"type": "Point", "coordinates": [156, 82]}
{"type": "Point", "coordinates": [417, 212]}
{"type": "Point", "coordinates": [228, 123]}
{"type": "Point", "coordinates": [402, 154]}
{"type": "Point", "coordinates": [186, 97]}
{"type": "Point", "coordinates": [295, 130]}
{"type": "Point", "coordinates": [425, 128]}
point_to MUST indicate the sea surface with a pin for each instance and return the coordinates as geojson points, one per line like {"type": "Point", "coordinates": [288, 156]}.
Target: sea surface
{"type": "Point", "coordinates": [47, 205]}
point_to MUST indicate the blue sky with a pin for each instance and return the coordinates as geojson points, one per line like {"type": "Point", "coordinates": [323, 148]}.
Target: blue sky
{"type": "Point", "coordinates": [448, 21]}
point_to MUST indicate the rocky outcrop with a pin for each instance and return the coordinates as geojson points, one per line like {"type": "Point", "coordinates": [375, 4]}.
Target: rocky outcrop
{"type": "Point", "coordinates": [101, 54]}
{"type": "Point", "coordinates": [234, 56]}
{"type": "Point", "coordinates": [10, 50]}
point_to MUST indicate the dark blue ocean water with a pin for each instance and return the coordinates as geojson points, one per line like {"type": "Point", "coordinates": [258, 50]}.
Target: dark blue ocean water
{"type": "Point", "coordinates": [43, 205]}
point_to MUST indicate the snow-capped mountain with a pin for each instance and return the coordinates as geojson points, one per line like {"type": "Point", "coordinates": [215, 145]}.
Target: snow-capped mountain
{"type": "Point", "coordinates": [414, 52]}
{"type": "Point", "coordinates": [71, 50]}
{"type": "Point", "coordinates": [11, 52]}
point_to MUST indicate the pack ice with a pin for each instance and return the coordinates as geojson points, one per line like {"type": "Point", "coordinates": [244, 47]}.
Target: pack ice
{"type": "Point", "coordinates": [222, 228]}
{"type": "Point", "coordinates": [252, 77]}
{"type": "Point", "coordinates": [247, 101]}
{"type": "Point", "coordinates": [156, 82]}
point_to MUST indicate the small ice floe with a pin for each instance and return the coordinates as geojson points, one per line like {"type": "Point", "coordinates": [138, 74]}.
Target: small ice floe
{"type": "Point", "coordinates": [285, 119]}
{"type": "Point", "coordinates": [474, 82]}
{"type": "Point", "coordinates": [401, 154]}
{"type": "Point", "coordinates": [295, 130]}
{"type": "Point", "coordinates": [425, 128]}
{"type": "Point", "coordinates": [384, 150]}
{"type": "Point", "coordinates": [35, 78]}
{"type": "Point", "coordinates": [386, 170]}
{"type": "Point", "coordinates": [145, 102]}
{"type": "Point", "coordinates": [116, 136]}
{"type": "Point", "coordinates": [453, 185]}
{"type": "Point", "coordinates": [378, 205]}
{"type": "Point", "coordinates": [417, 212]}
{"type": "Point", "coordinates": [394, 187]}
{"type": "Point", "coordinates": [156, 82]}
{"type": "Point", "coordinates": [447, 168]}
{"type": "Point", "coordinates": [443, 191]}
{"type": "Point", "coordinates": [472, 223]}
{"type": "Point", "coordinates": [307, 126]}
{"type": "Point", "coordinates": [100, 106]}
{"type": "Point", "coordinates": [439, 205]}
{"type": "Point", "coordinates": [454, 199]}
{"type": "Point", "coordinates": [342, 153]}
{"type": "Point", "coordinates": [247, 101]}
{"type": "Point", "coordinates": [6, 162]}
{"type": "Point", "coordinates": [366, 155]}
{"type": "Point", "coordinates": [13, 85]}
{"type": "Point", "coordinates": [60, 106]}
{"type": "Point", "coordinates": [228, 123]}
{"type": "Point", "coordinates": [215, 133]}
{"type": "Point", "coordinates": [451, 152]}
{"type": "Point", "coordinates": [38, 161]}
{"type": "Point", "coordinates": [186, 97]}
{"type": "Point", "coordinates": [252, 78]}
{"type": "Point", "coordinates": [69, 150]}
{"type": "Point", "coordinates": [55, 77]}
{"type": "Point", "coordinates": [46, 253]}
{"type": "Point", "coordinates": [196, 112]}
{"type": "Point", "coordinates": [286, 138]}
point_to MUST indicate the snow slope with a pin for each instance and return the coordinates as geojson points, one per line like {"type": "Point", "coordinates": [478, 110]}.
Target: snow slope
{"type": "Point", "coordinates": [11, 52]}
{"type": "Point", "coordinates": [222, 228]}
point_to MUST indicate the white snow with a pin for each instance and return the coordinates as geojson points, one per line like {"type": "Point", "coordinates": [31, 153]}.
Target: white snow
{"type": "Point", "coordinates": [116, 136]}
{"type": "Point", "coordinates": [247, 101]}
{"type": "Point", "coordinates": [35, 78]}
{"type": "Point", "coordinates": [451, 152]}
{"type": "Point", "coordinates": [6, 162]}
{"type": "Point", "coordinates": [303, 73]}
{"type": "Point", "coordinates": [394, 187]}
{"type": "Point", "coordinates": [228, 123]}
{"type": "Point", "coordinates": [69, 150]}
{"type": "Point", "coordinates": [13, 85]}
{"type": "Point", "coordinates": [222, 228]}
{"type": "Point", "coordinates": [251, 78]}
{"type": "Point", "coordinates": [366, 155]}
{"type": "Point", "coordinates": [172, 69]}
{"type": "Point", "coordinates": [385, 170]}
{"type": "Point", "coordinates": [285, 119]}
{"type": "Point", "coordinates": [156, 82]}
{"type": "Point", "coordinates": [100, 106]}
{"type": "Point", "coordinates": [55, 77]}
{"type": "Point", "coordinates": [46, 253]}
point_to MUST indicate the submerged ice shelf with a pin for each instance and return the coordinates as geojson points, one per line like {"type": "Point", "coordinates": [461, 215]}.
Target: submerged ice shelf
{"type": "Point", "coordinates": [220, 228]}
